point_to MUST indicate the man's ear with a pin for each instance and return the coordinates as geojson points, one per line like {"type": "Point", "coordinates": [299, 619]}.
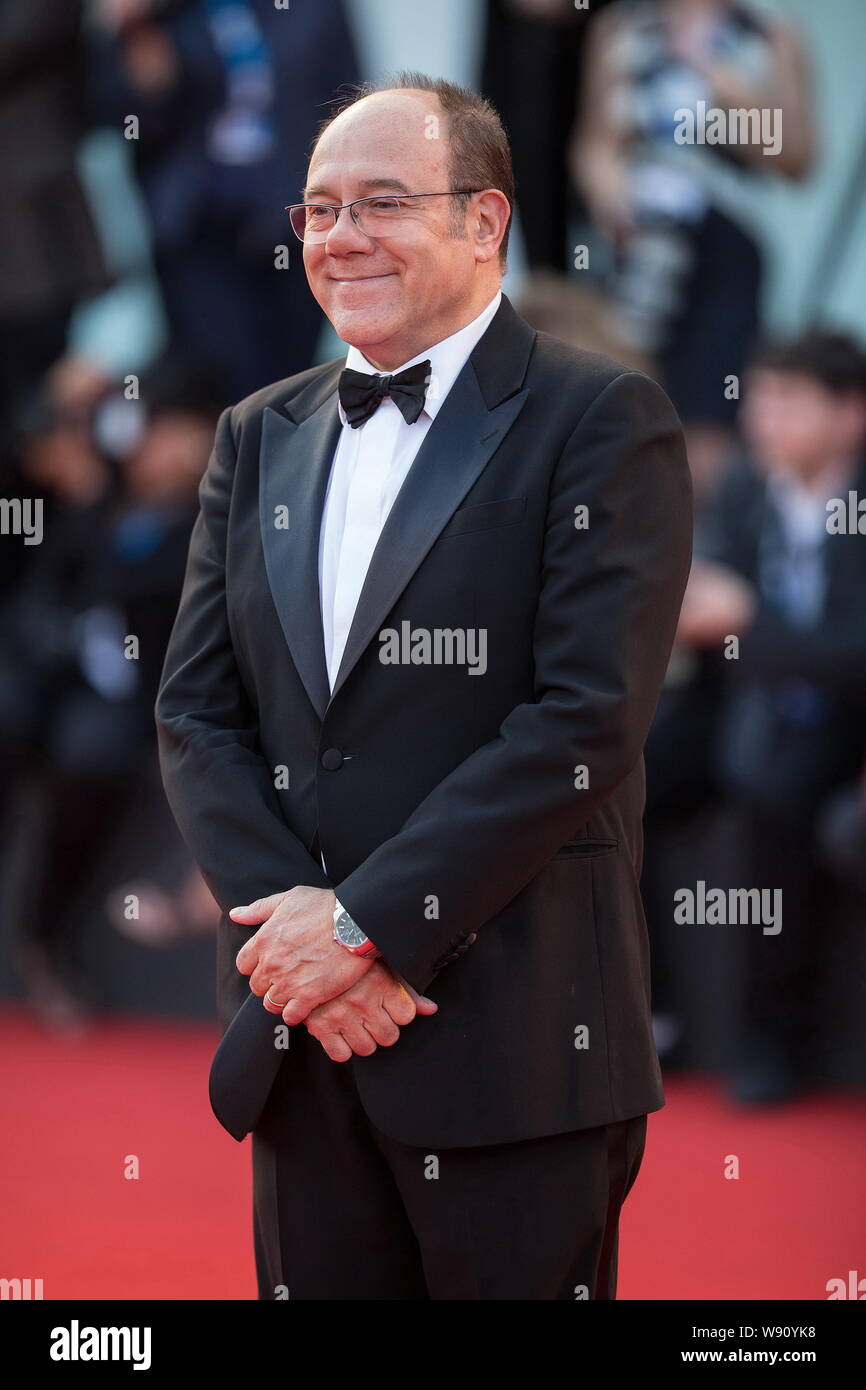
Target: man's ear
{"type": "Point", "coordinates": [490, 216]}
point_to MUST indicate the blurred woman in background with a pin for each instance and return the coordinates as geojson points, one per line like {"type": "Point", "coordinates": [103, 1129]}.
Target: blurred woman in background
{"type": "Point", "coordinates": [681, 217]}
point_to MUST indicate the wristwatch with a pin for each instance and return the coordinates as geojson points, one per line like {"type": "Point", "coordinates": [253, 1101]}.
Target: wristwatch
{"type": "Point", "coordinates": [349, 934]}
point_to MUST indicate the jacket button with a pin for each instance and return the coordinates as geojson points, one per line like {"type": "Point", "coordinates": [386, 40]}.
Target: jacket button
{"type": "Point", "coordinates": [332, 759]}
{"type": "Point", "coordinates": [470, 939]}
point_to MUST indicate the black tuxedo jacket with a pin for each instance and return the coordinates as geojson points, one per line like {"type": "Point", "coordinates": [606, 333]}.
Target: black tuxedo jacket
{"type": "Point", "coordinates": [457, 826]}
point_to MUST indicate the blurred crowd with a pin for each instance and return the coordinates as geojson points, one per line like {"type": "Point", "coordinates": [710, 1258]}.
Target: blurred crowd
{"type": "Point", "coordinates": [149, 147]}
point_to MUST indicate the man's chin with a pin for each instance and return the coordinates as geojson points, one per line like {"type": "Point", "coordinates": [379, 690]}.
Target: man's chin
{"type": "Point", "coordinates": [361, 326]}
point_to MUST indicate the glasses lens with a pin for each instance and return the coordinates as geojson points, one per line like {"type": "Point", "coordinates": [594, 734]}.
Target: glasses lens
{"type": "Point", "coordinates": [311, 221]}
{"type": "Point", "coordinates": [297, 217]}
{"type": "Point", "coordinates": [378, 216]}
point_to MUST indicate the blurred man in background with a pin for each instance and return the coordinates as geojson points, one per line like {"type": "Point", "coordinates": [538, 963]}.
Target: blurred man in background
{"type": "Point", "coordinates": [84, 637]}
{"type": "Point", "coordinates": [226, 94]}
{"type": "Point", "coordinates": [50, 254]}
{"type": "Point", "coordinates": [780, 570]}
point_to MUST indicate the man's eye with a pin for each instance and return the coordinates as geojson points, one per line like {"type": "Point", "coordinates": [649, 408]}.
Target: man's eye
{"type": "Point", "coordinates": [317, 211]}
{"type": "Point", "coordinates": [384, 205]}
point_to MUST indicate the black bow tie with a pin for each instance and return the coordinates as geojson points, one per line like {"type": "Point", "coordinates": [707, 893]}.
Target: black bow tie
{"type": "Point", "coordinates": [361, 393]}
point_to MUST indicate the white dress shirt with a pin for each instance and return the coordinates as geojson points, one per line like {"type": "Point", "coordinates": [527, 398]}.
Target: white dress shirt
{"type": "Point", "coordinates": [369, 468]}
{"type": "Point", "coordinates": [800, 579]}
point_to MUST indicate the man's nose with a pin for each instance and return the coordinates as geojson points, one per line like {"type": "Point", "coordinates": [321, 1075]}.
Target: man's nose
{"type": "Point", "coordinates": [346, 235]}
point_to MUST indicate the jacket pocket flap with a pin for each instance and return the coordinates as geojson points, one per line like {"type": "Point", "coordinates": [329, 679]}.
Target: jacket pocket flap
{"type": "Point", "coordinates": [586, 849]}
{"type": "Point", "coordinates": [484, 515]}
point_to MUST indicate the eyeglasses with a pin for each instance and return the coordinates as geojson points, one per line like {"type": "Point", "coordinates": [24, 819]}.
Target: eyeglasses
{"type": "Point", "coordinates": [376, 216]}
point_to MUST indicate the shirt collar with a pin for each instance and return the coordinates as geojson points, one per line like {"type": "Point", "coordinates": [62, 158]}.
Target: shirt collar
{"type": "Point", "coordinates": [802, 509]}
{"type": "Point", "coordinates": [446, 359]}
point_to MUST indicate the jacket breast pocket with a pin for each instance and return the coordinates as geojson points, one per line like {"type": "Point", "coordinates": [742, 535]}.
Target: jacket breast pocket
{"type": "Point", "coordinates": [586, 849]}
{"type": "Point", "coordinates": [483, 516]}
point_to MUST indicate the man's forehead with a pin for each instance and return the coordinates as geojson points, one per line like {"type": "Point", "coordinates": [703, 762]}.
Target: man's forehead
{"type": "Point", "coordinates": [396, 106]}
{"type": "Point", "coordinates": [380, 138]}
{"type": "Point", "coordinates": [778, 378]}
{"type": "Point", "coordinates": [368, 175]}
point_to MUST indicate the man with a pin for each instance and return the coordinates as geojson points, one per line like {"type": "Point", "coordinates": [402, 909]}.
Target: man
{"type": "Point", "coordinates": [782, 567]}
{"type": "Point", "coordinates": [430, 600]}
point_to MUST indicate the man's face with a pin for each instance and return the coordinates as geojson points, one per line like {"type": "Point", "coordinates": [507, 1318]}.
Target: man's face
{"type": "Point", "coordinates": [795, 426]}
{"type": "Point", "coordinates": [390, 297]}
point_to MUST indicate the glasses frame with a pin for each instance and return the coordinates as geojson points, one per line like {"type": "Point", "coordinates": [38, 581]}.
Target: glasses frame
{"type": "Point", "coordinates": [337, 208]}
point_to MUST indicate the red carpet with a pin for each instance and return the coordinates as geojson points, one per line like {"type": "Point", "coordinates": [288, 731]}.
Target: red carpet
{"type": "Point", "coordinates": [72, 1112]}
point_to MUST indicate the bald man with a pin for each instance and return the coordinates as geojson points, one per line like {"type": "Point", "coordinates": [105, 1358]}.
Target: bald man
{"type": "Point", "coordinates": [431, 595]}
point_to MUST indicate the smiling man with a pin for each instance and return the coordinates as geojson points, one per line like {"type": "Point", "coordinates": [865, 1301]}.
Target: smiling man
{"type": "Point", "coordinates": [433, 965]}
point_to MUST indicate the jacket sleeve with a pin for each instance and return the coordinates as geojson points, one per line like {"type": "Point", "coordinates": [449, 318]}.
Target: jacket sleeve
{"type": "Point", "coordinates": [608, 605]}
{"type": "Point", "coordinates": [218, 785]}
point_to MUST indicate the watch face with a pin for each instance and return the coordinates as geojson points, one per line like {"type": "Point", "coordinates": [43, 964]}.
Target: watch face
{"type": "Point", "coordinates": [349, 932]}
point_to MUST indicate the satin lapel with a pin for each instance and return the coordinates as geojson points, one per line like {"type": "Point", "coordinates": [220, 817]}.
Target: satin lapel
{"type": "Point", "coordinates": [295, 464]}
{"type": "Point", "coordinates": [453, 454]}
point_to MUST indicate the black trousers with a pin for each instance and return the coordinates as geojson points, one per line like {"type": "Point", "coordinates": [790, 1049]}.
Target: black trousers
{"type": "Point", "coordinates": [342, 1211]}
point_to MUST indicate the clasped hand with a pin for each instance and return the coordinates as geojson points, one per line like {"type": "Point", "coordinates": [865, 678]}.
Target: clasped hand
{"type": "Point", "coordinates": [349, 1003]}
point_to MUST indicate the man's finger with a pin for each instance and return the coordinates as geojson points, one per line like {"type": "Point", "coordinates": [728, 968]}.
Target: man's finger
{"type": "Point", "coordinates": [421, 1002]}
{"type": "Point", "coordinates": [260, 981]}
{"type": "Point", "coordinates": [398, 1004]}
{"type": "Point", "coordinates": [247, 957]}
{"type": "Point", "coordinates": [336, 1047]}
{"type": "Point", "coordinates": [381, 1026]}
{"type": "Point", "coordinates": [362, 1043]}
{"type": "Point", "coordinates": [272, 1008]}
{"type": "Point", "coordinates": [297, 1009]}
{"type": "Point", "coordinates": [258, 911]}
